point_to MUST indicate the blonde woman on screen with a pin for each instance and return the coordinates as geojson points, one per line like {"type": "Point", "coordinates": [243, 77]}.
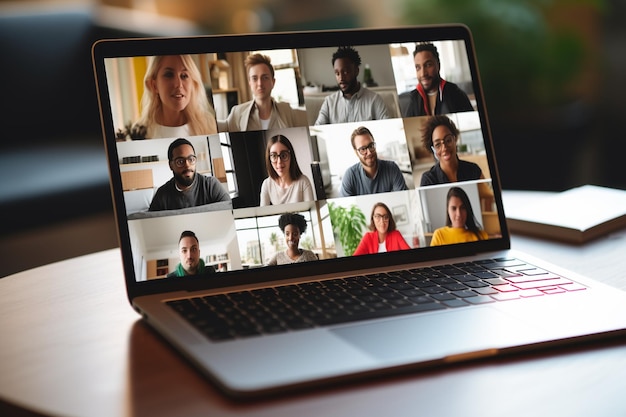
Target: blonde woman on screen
{"type": "Point", "coordinates": [174, 101]}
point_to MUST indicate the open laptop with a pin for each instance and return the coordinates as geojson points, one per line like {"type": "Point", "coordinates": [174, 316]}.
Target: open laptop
{"type": "Point", "coordinates": [255, 328]}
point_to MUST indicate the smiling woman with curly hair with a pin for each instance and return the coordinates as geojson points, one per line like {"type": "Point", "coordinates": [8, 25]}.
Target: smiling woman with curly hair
{"type": "Point", "coordinates": [293, 225]}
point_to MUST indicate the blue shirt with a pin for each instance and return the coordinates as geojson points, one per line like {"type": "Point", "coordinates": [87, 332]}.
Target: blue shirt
{"type": "Point", "coordinates": [388, 178]}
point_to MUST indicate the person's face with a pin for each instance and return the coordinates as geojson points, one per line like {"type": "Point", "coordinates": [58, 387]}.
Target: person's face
{"type": "Point", "coordinates": [261, 81]}
{"type": "Point", "coordinates": [189, 253]}
{"type": "Point", "coordinates": [366, 153]}
{"type": "Point", "coordinates": [444, 144]}
{"type": "Point", "coordinates": [457, 212]}
{"type": "Point", "coordinates": [280, 159]}
{"type": "Point", "coordinates": [173, 84]}
{"type": "Point", "coordinates": [381, 220]}
{"type": "Point", "coordinates": [346, 73]}
{"type": "Point", "coordinates": [183, 165]}
{"type": "Point", "coordinates": [427, 70]}
{"type": "Point", "coordinates": [292, 236]}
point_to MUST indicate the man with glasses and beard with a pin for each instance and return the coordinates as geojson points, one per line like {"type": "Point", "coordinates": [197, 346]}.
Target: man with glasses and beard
{"type": "Point", "coordinates": [186, 189]}
{"type": "Point", "coordinates": [370, 175]}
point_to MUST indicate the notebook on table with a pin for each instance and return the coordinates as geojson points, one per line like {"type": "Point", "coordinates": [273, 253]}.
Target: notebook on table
{"type": "Point", "coordinates": [251, 318]}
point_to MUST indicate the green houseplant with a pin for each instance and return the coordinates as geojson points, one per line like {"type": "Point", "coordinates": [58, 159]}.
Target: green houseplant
{"type": "Point", "coordinates": [348, 225]}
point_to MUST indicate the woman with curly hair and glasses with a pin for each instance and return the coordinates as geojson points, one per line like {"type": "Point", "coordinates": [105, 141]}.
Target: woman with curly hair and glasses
{"type": "Point", "coordinates": [440, 136]}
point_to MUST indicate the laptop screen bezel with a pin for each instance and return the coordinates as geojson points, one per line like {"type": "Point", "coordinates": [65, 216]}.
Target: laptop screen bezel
{"type": "Point", "coordinates": [285, 40]}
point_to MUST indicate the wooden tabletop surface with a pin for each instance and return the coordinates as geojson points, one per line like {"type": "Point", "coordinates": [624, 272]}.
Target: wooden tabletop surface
{"type": "Point", "coordinates": [72, 346]}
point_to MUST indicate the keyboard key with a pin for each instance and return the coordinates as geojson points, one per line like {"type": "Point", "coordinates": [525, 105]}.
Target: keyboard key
{"type": "Point", "coordinates": [479, 299]}
{"type": "Point", "coordinates": [455, 303]}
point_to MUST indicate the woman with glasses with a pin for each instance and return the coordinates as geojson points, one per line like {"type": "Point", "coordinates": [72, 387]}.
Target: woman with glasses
{"type": "Point", "coordinates": [293, 226]}
{"type": "Point", "coordinates": [285, 182]}
{"type": "Point", "coordinates": [174, 101]}
{"type": "Point", "coordinates": [439, 136]}
{"type": "Point", "coordinates": [461, 224]}
{"type": "Point", "coordinates": [383, 235]}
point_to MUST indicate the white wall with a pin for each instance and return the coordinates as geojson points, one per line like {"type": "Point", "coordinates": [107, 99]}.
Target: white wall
{"type": "Point", "coordinates": [316, 66]}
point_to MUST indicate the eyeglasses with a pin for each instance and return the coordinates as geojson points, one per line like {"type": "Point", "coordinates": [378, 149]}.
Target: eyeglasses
{"type": "Point", "coordinates": [180, 161]}
{"type": "Point", "coordinates": [379, 217]}
{"type": "Point", "coordinates": [363, 149]}
{"type": "Point", "coordinates": [284, 155]}
{"type": "Point", "coordinates": [447, 140]}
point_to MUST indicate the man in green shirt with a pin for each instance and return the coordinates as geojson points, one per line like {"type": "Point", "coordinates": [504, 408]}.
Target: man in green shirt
{"type": "Point", "coordinates": [189, 254]}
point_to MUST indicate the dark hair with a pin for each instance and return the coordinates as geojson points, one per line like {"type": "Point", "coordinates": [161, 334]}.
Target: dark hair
{"type": "Point", "coordinates": [292, 218]}
{"type": "Point", "coordinates": [361, 130]}
{"type": "Point", "coordinates": [427, 47]}
{"type": "Point", "coordinates": [349, 53]}
{"type": "Point", "coordinates": [431, 124]}
{"type": "Point", "coordinates": [188, 233]}
{"type": "Point", "coordinates": [392, 222]}
{"type": "Point", "coordinates": [471, 222]}
{"type": "Point", "coordinates": [178, 142]}
{"type": "Point", "coordinates": [294, 169]}
{"type": "Point", "coordinates": [256, 59]}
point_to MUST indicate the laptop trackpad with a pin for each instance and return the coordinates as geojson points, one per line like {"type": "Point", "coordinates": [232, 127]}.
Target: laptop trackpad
{"type": "Point", "coordinates": [437, 335]}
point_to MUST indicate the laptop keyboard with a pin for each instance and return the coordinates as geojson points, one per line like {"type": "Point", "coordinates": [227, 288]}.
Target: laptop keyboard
{"type": "Point", "coordinates": [335, 301]}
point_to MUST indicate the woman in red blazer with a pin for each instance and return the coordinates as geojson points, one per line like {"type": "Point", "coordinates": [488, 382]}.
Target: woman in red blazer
{"type": "Point", "coordinates": [383, 237]}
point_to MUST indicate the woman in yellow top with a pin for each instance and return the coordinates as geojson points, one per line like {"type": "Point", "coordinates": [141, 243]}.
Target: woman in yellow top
{"type": "Point", "coordinates": [461, 224]}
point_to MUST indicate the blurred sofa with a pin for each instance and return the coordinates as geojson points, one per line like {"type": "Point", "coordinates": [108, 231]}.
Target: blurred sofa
{"type": "Point", "coordinates": [52, 160]}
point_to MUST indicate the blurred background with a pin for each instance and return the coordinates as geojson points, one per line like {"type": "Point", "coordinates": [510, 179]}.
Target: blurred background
{"type": "Point", "coordinates": [551, 72]}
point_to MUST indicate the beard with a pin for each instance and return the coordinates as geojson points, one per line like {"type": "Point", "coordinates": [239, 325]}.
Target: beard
{"type": "Point", "coordinates": [185, 181]}
{"type": "Point", "coordinates": [349, 88]}
{"type": "Point", "coordinates": [432, 84]}
{"type": "Point", "coordinates": [369, 162]}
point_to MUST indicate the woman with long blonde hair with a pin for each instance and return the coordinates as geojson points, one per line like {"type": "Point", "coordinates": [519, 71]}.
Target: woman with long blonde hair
{"type": "Point", "coordinates": [174, 101]}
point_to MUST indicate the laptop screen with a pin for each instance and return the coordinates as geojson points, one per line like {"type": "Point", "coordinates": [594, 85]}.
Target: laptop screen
{"type": "Point", "coordinates": [252, 155]}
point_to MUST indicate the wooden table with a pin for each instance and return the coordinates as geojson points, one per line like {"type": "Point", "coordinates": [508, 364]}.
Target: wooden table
{"type": "Point", "coordinates": [72, 346]}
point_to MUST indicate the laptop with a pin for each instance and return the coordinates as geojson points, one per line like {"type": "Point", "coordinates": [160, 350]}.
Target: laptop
{"type": "Point", "coordinates": [270, 279]}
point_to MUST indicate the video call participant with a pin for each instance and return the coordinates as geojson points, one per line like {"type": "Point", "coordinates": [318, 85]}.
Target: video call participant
{"type": "Point", "coordinates": [352, 102]}
{"type": "Point", "coordinates": [189, 254]}
{"type": "Point", "coordinates": [370, 175]}
{"type": "Point", "coordinates": [174, 101]}
{"type": "Point", "coordinates": [186, 188]}
{"type": "Point", "coordinates": [440, 136]}
{"type": "Point", "coordinates": [383, 235]}
{"type": "Point", "coordinates": [293, 226]}
{"type": "Point", "coordinates": [461, 224]}
{"type": "Point", "coordinates": [433, 95]}
{"type": "Point", "coordinates": [285, 182]}
{"type": "Point", "coordinates": [263, 112]}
